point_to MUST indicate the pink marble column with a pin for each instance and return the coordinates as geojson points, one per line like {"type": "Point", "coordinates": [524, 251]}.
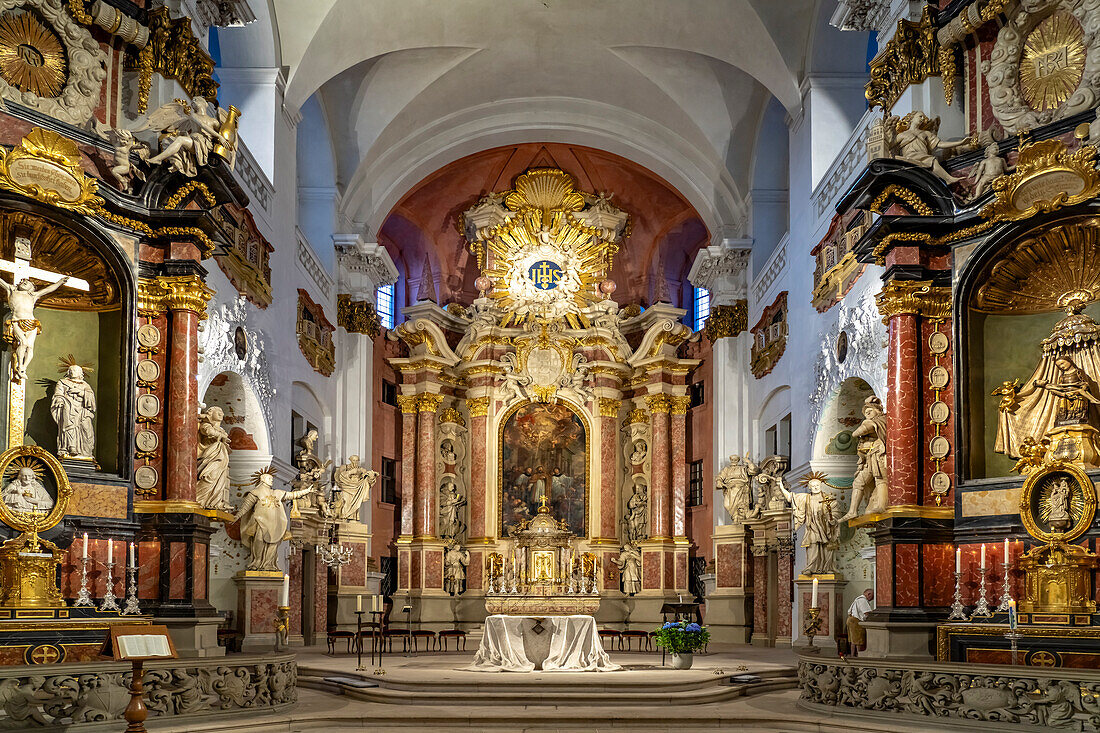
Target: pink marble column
{"type": "Point", "coordinates": [783, 598]}
{"type": "Point", "coordinates": [902, 414]}
{"type": "Point", "coordinates": [608, 514]}
{"type": "Point", "coordinates": [182, 410]}
{"type": "Point", "coordinates": [425, 469]}
{"type": "Point", "coordinates": [659, 486]}
{"type": "Point", "coordinates": [408, 462]}
{"type": "Point", "coordinates": [678, 469]}
{"type": "Point", "coordinates": [478, 485]}
{"type": "Point", "coordinates": [760, 595]}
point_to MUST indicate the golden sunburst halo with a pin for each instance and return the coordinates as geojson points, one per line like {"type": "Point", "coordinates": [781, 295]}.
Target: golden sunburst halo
{"type": "Point", "coordinates": [1053, 61]}
{"type": "Point", "coordinates": [1076, 502]}
{"type": "Point", "coordinates": [32, 57]}
{"type": "Point", "coordinates": [13, 468]}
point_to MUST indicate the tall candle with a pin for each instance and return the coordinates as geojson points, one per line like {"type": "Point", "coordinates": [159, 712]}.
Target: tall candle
{"type": "Point", "coordinates": [1012, 619]}
{"type": "Point", "coordinates": [958, 560]}
{"type": "Point", "coordinates": [376, 604]}
{"type": "Point", "coordinates": [85, 546]}
{"type": "Point", "coordinates": [110, 550]}
{"type": "Point", "coordinates": [132, 563]}
{"type": "Point", "coordinates": [983, 557]}
{"type": "Point", "coordinates": [813, 595]}
{"type": "Point", "coordinates": [286, 590]}
{"type": "Point", "coordinates": [1006, 551]}
{"type": "Point", "coordinates": [358, 604]}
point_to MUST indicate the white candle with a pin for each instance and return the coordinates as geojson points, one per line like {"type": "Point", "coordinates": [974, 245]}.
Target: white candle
{"type": "Point", "coordinates": [110, 550]}
{"type": "Point", "coordinates": [132, 563]}
{"type": "Point", "coordinates": [1006, 551]}
{"type": "Point", "coordinates": [358, 604]}
{"type": "Point", "coordinates": [376, 604]}
{"type": "Point", "coordinates": [85, 546]}
{"type": "Point", "coordinates": [813, 595]}
{"type": "Point", "coordinates": [958, 560]}
{"type": "Point", "coordinates": [983, 557]}
{"type": "Point", "coordinates": [286, 590]}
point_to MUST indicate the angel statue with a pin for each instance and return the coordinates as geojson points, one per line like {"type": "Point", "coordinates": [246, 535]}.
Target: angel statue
{"type": "Point", "coordinates": [189, 133]}
{"type": "Point", "coordinates": [124, 144]}
{"type": "Point", "coordinates": [917, 142]}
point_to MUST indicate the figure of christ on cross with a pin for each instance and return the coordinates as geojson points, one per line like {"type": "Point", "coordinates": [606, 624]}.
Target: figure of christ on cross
{"type": "Point", "coordinates": [21, 328]}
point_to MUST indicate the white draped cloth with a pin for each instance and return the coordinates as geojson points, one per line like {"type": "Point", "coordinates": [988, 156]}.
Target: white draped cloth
{"type": "Point", "coordinates": [512, 644]}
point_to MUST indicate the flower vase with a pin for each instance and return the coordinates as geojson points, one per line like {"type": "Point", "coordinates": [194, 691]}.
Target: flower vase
{"type": "Point", "coordinates": [682, 660]}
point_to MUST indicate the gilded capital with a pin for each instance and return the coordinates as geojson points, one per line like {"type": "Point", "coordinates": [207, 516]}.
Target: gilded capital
{"type": "Point", "coordinates": [357, 316]}
{"type": "Point", "coordinates": [914, 297]}
{"type": "Point", "coordinates": [477, 406]}
{"type": "Point", "coordinates": [609, 407]}
{"type": "Point", "coordinates": [727, 320]}
{"type": "Point", "coordinates": [150, 296]}
{"type": "Point", "coordinates": [636, 416]}
{"type": "Point", "coordinates": [679, 405]}
{"type": "Point", "coordinates": [429, 401]}
{"type": "Point", "coordinates": [659, 403]}
{"type": "Point", "coordinates": [451, 415]}
{"type": "Point", "coordinates": [174, 292]}
{"type": "Point", "coordinates": [408, 403]}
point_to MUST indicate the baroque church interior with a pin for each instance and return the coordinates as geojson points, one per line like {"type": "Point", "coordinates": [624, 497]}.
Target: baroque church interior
{"type": "Point", "coordinates": [549, 365]}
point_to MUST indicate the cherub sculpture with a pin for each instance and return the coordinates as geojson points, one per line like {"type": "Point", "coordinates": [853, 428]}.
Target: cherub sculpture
{"type": "Point", "coordinates": [989, 169]}
{"type": "Point", "coordinates": [916, 141]}
{"type": "Point", "coordinates": [189, 133]}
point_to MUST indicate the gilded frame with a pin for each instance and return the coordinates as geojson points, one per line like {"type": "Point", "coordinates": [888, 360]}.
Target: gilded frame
{"type": "Point", "coordinates": [1088, 494]}
{"type": "Point", "coordinates": [25, 522]}
{"type": "Point", "coordinates": [587, 460]}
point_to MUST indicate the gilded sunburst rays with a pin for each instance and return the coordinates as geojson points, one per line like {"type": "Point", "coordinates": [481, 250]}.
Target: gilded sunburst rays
{"type": "Point", "coordinates": [32, 57]}
{"type": "Point", "coordinates": [22, 462]}
{"type": "Point", "coordinates": [1053, 61]}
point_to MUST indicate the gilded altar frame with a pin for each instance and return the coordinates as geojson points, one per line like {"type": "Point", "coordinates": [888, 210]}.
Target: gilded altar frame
{"type": "Point", "coordinates": [585, 421]}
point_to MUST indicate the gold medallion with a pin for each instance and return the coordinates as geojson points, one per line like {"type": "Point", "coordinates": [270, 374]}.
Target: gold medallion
{"type": "Point", "coordinates": [1053, 61]}
{"type": "Point", "coordinates": [32, 58]}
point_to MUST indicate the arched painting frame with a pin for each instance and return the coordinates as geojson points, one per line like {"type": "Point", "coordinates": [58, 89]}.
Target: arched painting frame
{"type": "Point", "coordinates": [553, 436]}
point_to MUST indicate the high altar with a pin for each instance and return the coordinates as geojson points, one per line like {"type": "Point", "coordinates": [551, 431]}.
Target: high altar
{"type": "Point", "coordinates": [543, 392]}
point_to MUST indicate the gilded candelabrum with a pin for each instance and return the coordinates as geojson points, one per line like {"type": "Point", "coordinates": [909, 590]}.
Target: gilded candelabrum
{"type": "Point", "coordinates": [84, 597]}
{"type": "Point", "coordinates": [982, 607]}
{"type": "Point", "coordinates": [813, 622]}
{"type": "Point", "coordinates": [282, 627]}
{"type": "Point", "coordinates": [958, 612]}
{"type": "Point", "coordinates": [110, 601]}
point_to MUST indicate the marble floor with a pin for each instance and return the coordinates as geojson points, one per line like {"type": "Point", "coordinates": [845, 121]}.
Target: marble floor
{"type": "Point", "coordinates": [431, 693]}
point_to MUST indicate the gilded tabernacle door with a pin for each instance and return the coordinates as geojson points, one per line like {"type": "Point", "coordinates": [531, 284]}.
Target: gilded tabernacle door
{"type": "Point", "coordinates": [543, 452]}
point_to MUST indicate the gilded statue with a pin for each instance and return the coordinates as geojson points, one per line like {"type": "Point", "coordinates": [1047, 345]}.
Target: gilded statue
{"type": "Point", "coordinates": [1074, 392]}
{"type": "Point", "coordinates": [1009, 394]}
{"type": "Point", "coordinates": [212, 484]}
{"type": "Point", "coordinates": [735, 483]}
{"type": "Point", "coordinates": [1032, 452]}
{"type": "Point", "coordinates": [916, 141]}
{"type": "Point", "coordinates": [870, 479]}
{"type": "Point", "coordinates": [188, 134]}
{"type": "Point", "coordinates": [817, 514]}
{"type": "Point", "coordinates": [263, 520]}
{"type": "Point", "coordinates": [21, 328]}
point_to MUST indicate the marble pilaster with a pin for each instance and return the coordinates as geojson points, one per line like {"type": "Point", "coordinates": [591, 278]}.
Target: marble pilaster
{"type": "Point", "coordinates": [182, 422]}
{"type": "Point", "coordinates": [659, 488]}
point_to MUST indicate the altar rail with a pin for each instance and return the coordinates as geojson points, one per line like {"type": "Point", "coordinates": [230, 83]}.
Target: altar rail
{"type": "Point", "coordinates": [79, 696]}
{"type": "Point", "coordinates": [974, 696]}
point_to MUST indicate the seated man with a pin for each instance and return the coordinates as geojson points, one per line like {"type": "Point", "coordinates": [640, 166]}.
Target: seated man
{"type": "Point", "coordinates": [857, 613]}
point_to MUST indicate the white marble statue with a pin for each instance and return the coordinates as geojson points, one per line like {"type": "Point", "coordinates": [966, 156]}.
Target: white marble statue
{"type": "Point", "coordinates": [817, 514]}
{"type": "Point", "coordinates": [916, 142]}
{"type": "Point", "coordinates": [455, 560]}
{"type": "Point", "coordinates": [636, 521]}
{"type": "Point", "coordinates": [189, 133]}
{"type": "Point", "coordinates": [629, 563]}
{"type": "Point", "coordinates": [263, 520]}
{"type": "Point", "coordinates": [773, 493]}
{"type": "Point", "coordinates": [25, 493]}
{"type": "Point", "coordinates": [735, 483]}
{"type": "Point", "coordinates": [311, 472]}
{"type": "Point", "coordinates": [1058, 505]}
{"type": "Point", "coordinates": [870, 480]}
{"type": "Point", "coordinates": [212, 484]}
{"type": "Point", "coordinates": [73, 408]}
{"type": "Point", "coordinates": [989, 169]}
{"type": "Point", "coordinates": [124, 143]}
{"type": "Point", "coordinates": [450, 509]}
{"type": "Point", "coordinates": [354, 483]}
{"type": "Point", "coordinates": [21, 328]}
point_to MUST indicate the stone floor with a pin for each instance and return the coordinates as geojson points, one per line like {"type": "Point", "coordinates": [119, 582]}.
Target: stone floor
{"type": "Point", "coordinates": [430, 693]}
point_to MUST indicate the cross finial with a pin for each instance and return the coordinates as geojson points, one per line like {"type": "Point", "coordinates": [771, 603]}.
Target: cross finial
{"type": "Point", "coordinates": [543, 509]}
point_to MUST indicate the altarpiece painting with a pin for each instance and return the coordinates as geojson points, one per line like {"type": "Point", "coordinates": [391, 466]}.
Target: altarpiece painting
{"type": "Point", "coordinates": [543, 453]}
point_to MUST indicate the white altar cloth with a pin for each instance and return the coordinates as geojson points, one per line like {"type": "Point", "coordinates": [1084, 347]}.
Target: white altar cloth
{"type": "Point", "coordinates": [513, 644]}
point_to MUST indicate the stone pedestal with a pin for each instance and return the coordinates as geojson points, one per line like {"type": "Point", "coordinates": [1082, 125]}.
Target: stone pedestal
{"type": "Point", "coordinates": [830, 601]}
{"type": "Point", "coordinates": [352, 579]}
{"type": "Point", "coordinates": [899, 640]}
{"type": "Point", "coordinates": [194, 637]}
{"type": "Point", "coordinates": [258, 596]}
{"type": "Point", "coordinates": [730, 605]}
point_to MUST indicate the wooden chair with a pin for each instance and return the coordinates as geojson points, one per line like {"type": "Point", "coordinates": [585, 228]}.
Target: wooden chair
{"type": "Point", "coordinates": [428, 636]}
{"type": "Point", "coordinates": [390, 633]}
{"type": "Point", "coordinates": [641, 636]}
{"type": "Point", "coordinates": [456, 634]}
{"type": "Point", "coordinates": [613, 635]}
{"type": "Point", "coordinates": [369, 627]}
{"type": "Point", "coordinates": [334, 635]}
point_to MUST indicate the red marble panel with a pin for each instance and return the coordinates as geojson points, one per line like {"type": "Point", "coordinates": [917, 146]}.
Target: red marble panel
{"type": "Point", "coordinates": [784, 572]}
{"type": "Point", "coordinates": [884, 576]}
{"type": "Point", "coordinates": [200, 572]}
{"type": "Point", "coordinates": [651, 570]}
{"type": "Point", "coordinates": [475, 570]}
{"type": "Point", "coordinates": [907, 575]}
{"type": "Point", "coordinates": [670, 570]}
{"type": "Point", "coordinates": [181, 408]}
{"type": "Point", "coordinates": [659, 476]}
{"type": "Point", "coordinates": [725, 559]}
{"type": "Point", "coordinates": [355, 572]}
{"type": "Point", "coordinates": [938, 566]}
{"type": "Point", "coordinates": [904, 382]}
{"type": "Point", "coordinates": [478, 485]}
{"type": "Point", "coordinates": [320, 598]}
{"type": "Point", "coordinates": [264, 607]}
{"type": "Point", "coordinates": [760, 596]}
{"type": "Point", "coordinates": [433, 569]}
{"type": "Point", "coordinates": [608, 504]}
{"type": "Point", "coordinates": [408, 472]}
{"type": "Point", "coordinates": [971, 571]}
{"type": "Point", "coordinates": [403, 569]}
{"type": "Point", "coordinates": [424, 513]}
{"type": "Point", "coordinates": [148, 569]}
{"type": "Point", "coordinates": [823, 605]}
{"type": "Point", "coordinates": [947, 429]}
{"type": "Point", "coordinates": [14, 655]}
{"type": "Point", "coordinates": [681, 570]}
{"type": "Point", "coordinates": [177, 569]}
{"type": "Point", "coordinates": [295, 572]}
{"type": "Point", "coordinates": [678, 498]}
{"type": "Point", "coordinates": [415, 575]}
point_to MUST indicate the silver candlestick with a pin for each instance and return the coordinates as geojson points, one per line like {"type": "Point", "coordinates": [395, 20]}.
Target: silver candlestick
{"type": "Point", "coordinates": [84, 598]}
{"type": "Point", "coordinates": [958, 613]}
{"type": "Point", "coordinates": [1006, 593]}
{"type": "Point", "coordinates": [110, 602]}
{"type": "Point", "coordinates": [982, 607]}
{"type": "Point", "coordinates": [132, 608]}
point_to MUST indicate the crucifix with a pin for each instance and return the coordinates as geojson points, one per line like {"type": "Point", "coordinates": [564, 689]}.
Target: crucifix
{"type": "Point", "coordinates": [21, 328]}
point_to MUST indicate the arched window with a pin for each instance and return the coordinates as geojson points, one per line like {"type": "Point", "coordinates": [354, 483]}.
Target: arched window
{"type": "Point", "coordinates": [384, 305]}
{"type": "Point", "coordinates": [702, 307]}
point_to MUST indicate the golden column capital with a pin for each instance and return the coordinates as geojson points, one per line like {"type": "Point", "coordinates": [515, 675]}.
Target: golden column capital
{"type": "Point", "coordinates": [659, 403]}
{"type": "Point", "coordinates": [609, 407]}
{"type": "Point", "coordinates": [477, 406]}
{"type": "Point", "coordinates": [185, 292]}
{"type": "Point", "coordinates": [429, 401]}
{"type": "Point", "coordinates": [636, 416]}
{"type": "Point", "coordinates": [679, 405]}
{"type": "Point", "coordinates": [914, 297]}
{"type": "Point", "coordinates": [408, 403]}
{"type": "Point", "coordinates": [727, 320]}
{"type": "Point", "coordinates": [451, 415]}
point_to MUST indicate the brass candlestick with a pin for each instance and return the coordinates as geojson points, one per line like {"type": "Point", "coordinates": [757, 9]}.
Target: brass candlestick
{"type": "Point", "coordinates": [282, 628]}
{"type": "Point", "coordinates": [813, 622]}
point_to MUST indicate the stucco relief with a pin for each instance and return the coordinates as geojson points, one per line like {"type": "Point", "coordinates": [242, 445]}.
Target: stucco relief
{"type": "Point", "coordinates": [230, 344]}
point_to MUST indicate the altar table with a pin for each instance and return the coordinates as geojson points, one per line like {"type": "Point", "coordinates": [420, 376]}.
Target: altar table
{"type": "Point", "coordinates": [551, 643]}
